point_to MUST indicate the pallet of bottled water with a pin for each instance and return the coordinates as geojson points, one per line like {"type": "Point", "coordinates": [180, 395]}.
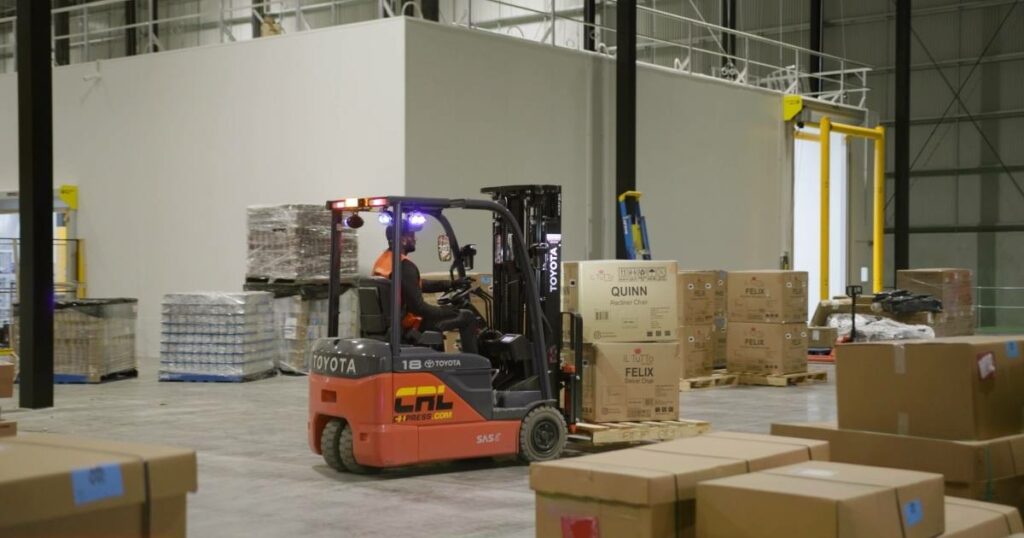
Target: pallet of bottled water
{"type": "Point", "coordinates": [218, 336]}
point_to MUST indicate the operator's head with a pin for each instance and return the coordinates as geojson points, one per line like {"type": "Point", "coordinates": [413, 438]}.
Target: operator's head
{"type": "Point", "coordinates": [407, 241]}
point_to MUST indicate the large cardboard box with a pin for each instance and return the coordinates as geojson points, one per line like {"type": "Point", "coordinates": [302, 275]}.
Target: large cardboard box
{"type": "Point", "coordinates": [821, 337]}
{"type": "Point", "coordinates": [822, 500]}
{"type": "Point", "coordinates": [648, 492]}
{"type": "Point", "coordinates": [630, 381]}
{"type": "Point", "coordinates": [766, 348]}
{"type": "Point", "coordinates": [990, 470]}
{"type": "Point", "coordinates": [696, 292]}
{"type": "Point", "coordinates": [975, 519]}
{"type": "Point", "coordinates": [6, 380]}
{"type": "Point", "coordinates": [697, 350]}
{"type": "Point", "coordinates": [57, 486]}
{"type": "Point", "coordinates": [767, 296]}
{"type": "Point", "coordinates": [954, 287]}
{"type": "Point", "coordinates": [966, 387]}
{"type": "Point", "coordinates": [622, 301]}
{"type": "Point", "coordinates": [8, 428]}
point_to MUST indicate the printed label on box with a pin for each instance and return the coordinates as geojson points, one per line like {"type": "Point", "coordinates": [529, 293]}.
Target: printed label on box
{"type": "Point", "coordinates": [97, 483]}
{"type": "Point", "coordinates": [986, 365]}
{"type": "Point", "coordinates": [580, 527]}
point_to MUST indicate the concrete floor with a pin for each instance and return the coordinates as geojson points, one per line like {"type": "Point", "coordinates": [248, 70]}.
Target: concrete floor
{"type": "Point", "coordinates": [258, 478]}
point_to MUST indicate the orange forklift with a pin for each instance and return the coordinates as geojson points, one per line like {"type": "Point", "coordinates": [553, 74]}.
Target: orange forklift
{"type": "Point", "coordinates": [395, 397]}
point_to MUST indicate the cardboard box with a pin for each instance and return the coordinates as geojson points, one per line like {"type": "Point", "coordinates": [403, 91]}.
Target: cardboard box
{"type": "Point", "coordinates": [766, 348]}
{"type": "Point", "coordinates": [822, 337]}
{"type": "Point", "coordinates": [954, 287]}
{"type": "Point", "coordinates": [966, 387]}
{"type": "Point", "coordinates": [622, 301]}
{"type": "Point", "coordinates": [630, 381]}
{"type": "Point", "coordinates": [697, 350]}
{"type": "Point", "coordinates": [943, 323]}
{"type": "Point", "coordinates": [8, 428]}
{"type": "Point", "coordinates": [975, 519]}
{"type": "Point", "coordinates": [6, 380]}
{"type": "Point", "coordinates": [696, 292]}
{"type": "Point", "coordinates": [990, 470]}
{"type": "Point", "coordinates": [648, 492]}
{"type": "Point", "coordinates": [821, 500]}
{"type": "Point", "coordinates": [767, 296]}
{"type": "Point", "coordinates": [93, 487]}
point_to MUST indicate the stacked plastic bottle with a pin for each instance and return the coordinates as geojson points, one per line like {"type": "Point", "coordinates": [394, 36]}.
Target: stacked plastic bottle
{"type": "Point", "coordinates": [217, 336]}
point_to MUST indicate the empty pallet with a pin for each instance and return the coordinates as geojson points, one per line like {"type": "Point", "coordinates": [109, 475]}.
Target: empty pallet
{"type": "Point", "coordinates": [783, 380]}
{"type": "Point", "coordinates": [607, 433]}
{"type": "Point", "coordinates": [707, 382]}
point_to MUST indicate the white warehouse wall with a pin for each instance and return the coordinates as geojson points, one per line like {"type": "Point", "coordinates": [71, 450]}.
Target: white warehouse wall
{"type": "Point", "coordinates": [712, 157]}
{"type": "Point", "coordinates": [168, 150]}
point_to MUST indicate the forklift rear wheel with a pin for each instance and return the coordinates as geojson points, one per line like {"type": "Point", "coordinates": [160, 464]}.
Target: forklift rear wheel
{"type": "Point", "coordinates": [336, 446]}
{"type": "Point", "coordinates": [542, 435]}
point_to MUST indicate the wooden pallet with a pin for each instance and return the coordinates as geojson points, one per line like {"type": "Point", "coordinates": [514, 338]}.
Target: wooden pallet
{"type": "Point", "coordinates": [709, 382]}
{"type": "Point", "coordinates": [783, 380]}
{"type": "Point", "coordinates": [607, 433]}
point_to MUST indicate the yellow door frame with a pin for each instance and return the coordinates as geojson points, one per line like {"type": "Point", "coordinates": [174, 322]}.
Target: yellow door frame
{"type": "Point", "coordinates": [877, 135]}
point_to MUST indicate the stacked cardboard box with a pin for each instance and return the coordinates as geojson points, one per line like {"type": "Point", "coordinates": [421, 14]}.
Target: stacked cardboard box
{"type": "Point", "coordinates": [92, 338]}
{"type": "Point", "coordinates": [630, 362]}
{"type": "Point", "coordinates": [954, 287]}
{"type": "Point", "coordinates": [696, 310]}
{"type": "Point", "coordinates": [948, 405]}
{"type": "Point", "coordinates": [6, 380]}
{"type": "Point", "coordinates": [217, 335]}
{"type": "Point", "coordinates": [767, 331]}
{"type": "Point", "coordinates": [93, 487]}
{"type": "Point", "coordinates": [301, 319]}
{"type": "Point", "coordinates": [293, 242]}
{"type": "Point", "coordinates": [822, 500]}
{"type": "Point", "coordinates": [648, 492]}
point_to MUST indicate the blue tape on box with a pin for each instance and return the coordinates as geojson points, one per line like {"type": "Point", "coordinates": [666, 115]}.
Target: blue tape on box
{"type": "Point", "coordinates": [913, 513]}
{"type": "Point", "coordinates": [97, 483]}
{"type": "Point", "coordinates": [1012, 350]}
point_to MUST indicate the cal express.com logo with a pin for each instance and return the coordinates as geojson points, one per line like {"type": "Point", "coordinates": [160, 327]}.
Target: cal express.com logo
{"type": "Point", "coordinates": [425, 402]}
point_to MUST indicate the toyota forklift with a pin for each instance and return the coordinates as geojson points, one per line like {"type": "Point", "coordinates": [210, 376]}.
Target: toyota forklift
{"type": "Point", "coordinates": [394, 397]}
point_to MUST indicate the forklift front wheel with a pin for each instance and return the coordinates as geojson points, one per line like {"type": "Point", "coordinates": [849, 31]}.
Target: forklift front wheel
{"type": "Point", "coordinates": [336, 446]}
{"type": "Point", "coordinates": [542, 435]}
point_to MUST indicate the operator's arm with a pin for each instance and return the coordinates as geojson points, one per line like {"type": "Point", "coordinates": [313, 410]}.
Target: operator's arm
{"type": "Point", "coordinates": [436, 286]}
{"type": "Point", "coordinates": [414, 297]}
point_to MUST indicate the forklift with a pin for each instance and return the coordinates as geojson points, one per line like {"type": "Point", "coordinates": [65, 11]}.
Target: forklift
{"type": "Point", "coordinates": [395, 398]}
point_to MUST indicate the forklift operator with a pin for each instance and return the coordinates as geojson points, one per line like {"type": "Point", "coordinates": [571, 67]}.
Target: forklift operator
{"type": "Point", "coordinates": [418, 314]}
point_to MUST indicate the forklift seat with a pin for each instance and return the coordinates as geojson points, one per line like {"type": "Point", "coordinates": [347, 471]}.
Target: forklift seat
{"type": "Point", "coordinates": [375, 314]}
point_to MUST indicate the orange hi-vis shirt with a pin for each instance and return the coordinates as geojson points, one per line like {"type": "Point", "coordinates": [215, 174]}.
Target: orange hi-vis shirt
{"type": "Point", "coordinates": [382, 268]}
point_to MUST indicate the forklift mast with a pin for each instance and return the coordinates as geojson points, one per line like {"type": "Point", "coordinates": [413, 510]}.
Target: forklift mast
{"type": "Point", "coordinates": [538, 212]}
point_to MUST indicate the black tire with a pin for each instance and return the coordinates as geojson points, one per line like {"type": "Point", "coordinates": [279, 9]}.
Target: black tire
{"type": "Point", "coordinates": [543, 435]}
{"type": "Point", "coordinates": [329, 443]}
{"type": "Point", "coordinates": [336, 446]}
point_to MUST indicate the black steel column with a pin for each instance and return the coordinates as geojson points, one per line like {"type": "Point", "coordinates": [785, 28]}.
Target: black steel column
{"type": "Point", "coordinates": [130, 18]}
{"type": "Point", "coordinates": [817, 22]}
{"type": "Point", "coordinates": [61, 27]}
{"type": "Point", "coordinates": [155, 16]}
{"type": "Point", "coordinates": [901, 155]}
{"type": "Point", "coordinates": [589, 18]}
{"type": "Point", "coordinates": [430, 9]}
{"type": "Point", "coordinates": [728, 20]}
{"type": "Point", "coordinates": [625, 111]}
{"type": "Point", "coordinates": [258, 13]}
{"type": "Point", "coordinates": [35, 192]}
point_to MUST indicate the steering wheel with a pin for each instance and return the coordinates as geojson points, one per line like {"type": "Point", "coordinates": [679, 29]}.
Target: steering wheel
{"type": "Point", "coordinates": [457, 296]}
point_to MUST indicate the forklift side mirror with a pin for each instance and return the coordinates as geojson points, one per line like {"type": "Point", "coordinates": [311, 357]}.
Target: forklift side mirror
{"type": "Point", "coordinates": [468, 252]}
{"type": "Point", "coordinates": [444, 248]}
